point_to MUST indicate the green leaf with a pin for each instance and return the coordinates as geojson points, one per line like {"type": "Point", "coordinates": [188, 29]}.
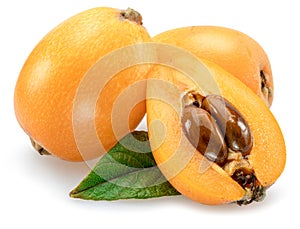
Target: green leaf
{"type": "Point", "coordinates": [127, 171]}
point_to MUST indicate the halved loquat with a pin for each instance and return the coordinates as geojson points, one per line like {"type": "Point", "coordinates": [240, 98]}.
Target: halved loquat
{"type": "Point", "coordinates": [233, 50]}
{"type": "Point", "coordinates": [48, 91]}
{"type": "Point", "coordinates": [185, 123]}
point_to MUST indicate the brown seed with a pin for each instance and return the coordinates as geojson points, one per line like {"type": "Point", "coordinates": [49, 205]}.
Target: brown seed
{"type": "Point", "coordinates": [231, 122]}
{"type": "Point", "coordinates": [204, 134]}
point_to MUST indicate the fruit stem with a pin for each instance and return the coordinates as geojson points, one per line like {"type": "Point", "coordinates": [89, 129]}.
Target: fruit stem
{"type": "Point", "coordinates": [131, 15]}
{"type": "Point", "coordinates": [265, 89]}
{"type": "Point", "coordinates": [39, 148]}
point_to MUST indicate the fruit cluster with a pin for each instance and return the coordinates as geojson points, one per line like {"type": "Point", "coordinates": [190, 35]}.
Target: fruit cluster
{"type": "Point", "coordinates": [232, 137]}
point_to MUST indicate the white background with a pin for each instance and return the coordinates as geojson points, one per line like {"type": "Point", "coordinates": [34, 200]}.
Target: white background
{"type": "Point", "coordinates": [34, 189]}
